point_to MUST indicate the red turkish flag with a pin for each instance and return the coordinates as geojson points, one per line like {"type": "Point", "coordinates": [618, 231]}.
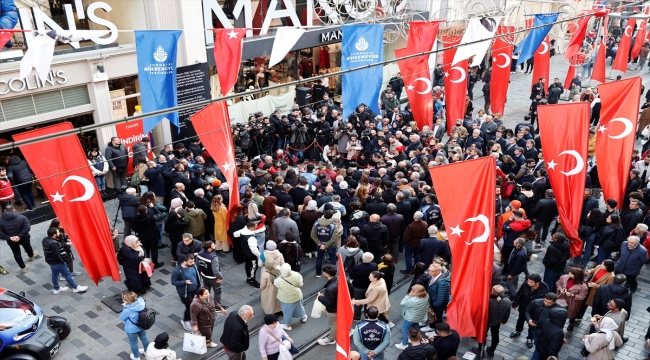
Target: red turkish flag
{"type": "Point", "coordinates": [344, 314]}
{"type": "Point", "coordinates": [469, 219]}
{"type": "Point", "coordinates": [422, 36]}
{"type": "Point", "coordinates": [455, 83]}
{"type": "Point", "coordinates": [571, 72]}
{"type": "Point", "coordinates": [578, 37]}
{"type": "Point", "coordinates": [501, 64]}
{"type": "Point", "coordinates": [228, 45]}
{"type": "Point", "coordinates": [640, 36]}
{"type": "Point", "coordinates": [62, 168]}
{"type": "Point", "coordinates": [616, 134]}
{"type": "Point", "coordinates": [212, 125]}
{"type": "Point", "coordinates": [4, 37]}
{"type": "Point", "coordinates": [599, 65]}
{"type": "Point", "coordinates": [565, 152]}
{"type": "Point", "coordinates": [417, 83]}
{"type": "Point", "coordinates": [621, 60]}
{"type": "Point", "coordinates": [542, 61]}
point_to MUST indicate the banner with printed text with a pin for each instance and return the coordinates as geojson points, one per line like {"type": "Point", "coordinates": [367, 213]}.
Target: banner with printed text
{"type": "Point", "coordinates": [362, 45]}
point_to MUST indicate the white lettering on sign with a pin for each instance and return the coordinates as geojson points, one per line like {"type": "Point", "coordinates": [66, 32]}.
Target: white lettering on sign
{"type": "Point", "coordinates": [55, 77]}
{"type": "Point", "coordinates": [331, 35]}
{"type": "Point", "coordinates": [36, 17]}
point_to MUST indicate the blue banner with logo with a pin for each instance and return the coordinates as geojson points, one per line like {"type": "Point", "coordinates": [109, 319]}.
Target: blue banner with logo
{"type": "Point", "coordinates": [156, 53]}
{"type": "Point", "coordinates": [529, 45]}
{"type": "Point", "coordinates": [362, 45]}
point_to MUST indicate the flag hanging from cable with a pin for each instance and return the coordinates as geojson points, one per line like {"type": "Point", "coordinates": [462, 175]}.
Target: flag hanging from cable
{"type": "Point", "coordinates": [455, 80]}
{"type": "Point", "coordinates": [344, 314]}
{"type": "Point", "coordinates": [478, 28]}
{"type": "Point", "coordinates": [362, 45]}
{"type": "Point", "coordinates": [156, 55]}
{"type": "Point", "coordinates": [623, 53]}
{"type": "Point", "coordinates": [640, 36]}
{"type": "Point", "coordinates": [542, 62]}
{"type": "Point", "coordinates": [501, 65]}
{"type": "Point", "coordinates": [541, 27]}
{"type": "Point", "coordinates": [417, 83]}
{"type": "Point", "coordinates": [285, 39]}
{"type": "Point", "coordinates": [578, 37]}
{"type": "Point", "coordinates": [228, 46]}
{"type": "Point", "coordinates": [599, 64]}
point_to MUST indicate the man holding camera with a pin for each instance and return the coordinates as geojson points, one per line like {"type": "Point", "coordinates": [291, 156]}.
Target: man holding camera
{"type": "Point", "coordinates": [342, 135]}
{"type": "Point", "coordinates": [322, 129]}
{"type": "Point", "coordinates": [118, 159]}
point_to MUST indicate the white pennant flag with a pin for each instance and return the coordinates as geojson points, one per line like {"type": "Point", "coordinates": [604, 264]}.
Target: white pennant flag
{"type": "Point", "coordinates": [285, 39]}
{"type": "Point", "coordinates": [477, 29]}
{"type": "Point", "coordinates": [68, 36]}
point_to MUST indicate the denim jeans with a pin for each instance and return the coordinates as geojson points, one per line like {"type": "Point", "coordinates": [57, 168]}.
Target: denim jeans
{"type": "Point", "coordinates": [550, 278]}
{"type": "Point", "coordinates": [133, 340]}
{"type": "Point", "coordinates": [603, 255]}
{"type": "Point", "coordinates": [292, 310]}
{"type": "Point", "coordinates": [261, 241]}
{"type": "Point", "coordinates": [331, 252]}
{"type": "Point", "coordinates": [589, 249]}
{"type": "Point", "coordinates": [27, 194]}
{"type": "Point", "coordinates": [101, 182]}
{"type": "Point", "coordinates": [406, 326]}
{"type": "Point", "coordinates": [377, 357]}
{"type": "Point", "coordinates": [409, 252]}
{"type": "Point", "coordinates": [63, 270]}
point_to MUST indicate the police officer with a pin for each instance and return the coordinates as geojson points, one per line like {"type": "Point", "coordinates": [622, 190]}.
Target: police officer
{"type": "Point", "coordinates": [208, 265]}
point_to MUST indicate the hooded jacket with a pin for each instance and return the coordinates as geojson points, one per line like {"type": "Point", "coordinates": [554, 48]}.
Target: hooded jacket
{"type": "Point", "coordinates": [130, 315]}
{"type": "Point", "coordinates": [512, 229]}
{"type": "Point", "coordinates": [129, 205]}
{"type": "Point", "coordinates": [18, 171]}
{"type": "Point", "coordinates": [117, 156]}
{"type": "Point", "coordinates": [14, 224]}
{"type": "Point", "coordinates": [377, 234]}
{"type": "Point", "coordinates": [195, 219]}
{"type": "Point", "coordinates": [439, 289]}
{"type": "Point", "coordinates": [550, 340]}
{"type": "Point", "coordinates": [556, 256]}
{"type": "Point", "coordinates": [609, 292]}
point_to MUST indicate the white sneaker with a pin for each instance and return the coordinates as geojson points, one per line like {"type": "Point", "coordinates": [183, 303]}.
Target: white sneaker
{"type": "Point", "coordinates": [141, 351]}
{"type": "Point", "coordinates": [186, 325]}
{"type": "Point", "coordinates": [304, 319]}
{"type": "Point", "coordinates": [61, 278]}
{"type": "Point", "coordinates": [426, 329]}
{"type": "Point", "coordinates": [390, 325]}
{"type": "Point", "coordinates": [211, 344]}
{"type": "Point", "coordinates": [286, 327]}
{"type": "Point", "coordinates": [62, 289]}
{"type": "Point", "coordinates": [133, 357]}
{"type": "Point", "coordinates": [80, 289]}
{"type": "Point", "coordinates": [400, 346]}
{"type": "Point", "coordinates": [309, 255]}
{"type": "Point", "coordinates": [324, 341]}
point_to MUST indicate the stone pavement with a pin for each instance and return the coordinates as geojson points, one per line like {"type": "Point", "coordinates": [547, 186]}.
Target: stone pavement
{"type": "Point", "coordinates": [98, 332]}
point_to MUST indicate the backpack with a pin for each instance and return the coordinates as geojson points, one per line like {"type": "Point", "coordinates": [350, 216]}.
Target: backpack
{"type": "Point", "coordinates": [135, 178]}
{"type": "Point", "coordinates": [619, 238]}
{"type": "Point", "coordinates": [349, 263]}
{"type": "Point", "coordinates": [324, 233]}
{"type": "Point", "coordinates": [146, 319]}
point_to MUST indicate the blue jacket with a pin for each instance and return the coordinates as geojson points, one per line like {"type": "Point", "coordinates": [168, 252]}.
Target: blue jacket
{"type": "Point", "coordinates": [130, 315]}
{"type": "Point", "coordinates": [630, 262]}
{"type": "Point", "coordinates": [439, 290]}
{"type": "Point", "coordinates": [8, 14]}
{"type": "Point", "coordinates": [517, 262]}
{"type": "Point", "coordinates": [374, 324]}
{"type": "Point", "coordinates": [178, 280]}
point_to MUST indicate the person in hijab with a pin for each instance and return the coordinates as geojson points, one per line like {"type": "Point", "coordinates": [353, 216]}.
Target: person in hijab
{"type": "Point", "coordinates": [270, 302]}
{"type": "Point", "coordinates": [132, 254]}
{"type": "Point", "coordinates": [601, 344]}
{"type": "Point", "coordinates": [304, 204]}
{"type": "Point", "coordinates": [290, 250]}
{"type": "Point", "coordinates": [159, 349]}
{"type": "Point", "coordinates": [309, 217]}
{"type": "Point", "coordinates": [270, 209]}
{"type": "Point", "coordinates": [175, 226]}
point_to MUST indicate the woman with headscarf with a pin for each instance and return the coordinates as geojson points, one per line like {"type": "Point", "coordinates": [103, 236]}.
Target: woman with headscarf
{"type": "Point", "coordinates": [132, 254]}
{"type": "Point", "coordinates": [272, 252]}
{"type": "Point", "coordinates": [270, 209]}
{"type": "Point", "coordinates": [203, 311]}
{"type": "Point", "coordinates": [601, 344]}
{"type": "Point", "coordinates": [237, 222]}
{"type": "Point", "coordinates": [220, 214]}
{"type": "Point", "coordinates": [309, 217]}
{"type": "Point", "coordinates": [270, 302]}
{"type": "Point", "coordinates": [159, 349]}
{"type": "Point", "coordinates": [305, 202]}
{"type": "Point", "coordinates": [290, 296]}
{"type": "Point", "coordinates": [175, 226]}
{"type": "Point", "coordinates": [290, 250]}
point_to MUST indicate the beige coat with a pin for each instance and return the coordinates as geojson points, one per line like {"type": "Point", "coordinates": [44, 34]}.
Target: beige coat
{"type": "Point", "coordinates": [377, 296]}
{"type": "Point", "coordinates": [598, 346]}
{"type": "Point", "coordinates": [270, 302]}
{"type": "Point", "coordinates": [276, 255]}
{"type": "Point", "coordinates": [607, 278]}
{"type": "Point", "coordinates": [573, 302]}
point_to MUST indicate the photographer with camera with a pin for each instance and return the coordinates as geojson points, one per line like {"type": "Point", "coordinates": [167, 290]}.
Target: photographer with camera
{"type": "Point", "coordinates": [298, 135]}
{"type": "Point", "coordinates": [342, 136]}
{"type": "Point", "coordinates": [276, 121]}
{"type": "Point", "coordinates": [322, 130]}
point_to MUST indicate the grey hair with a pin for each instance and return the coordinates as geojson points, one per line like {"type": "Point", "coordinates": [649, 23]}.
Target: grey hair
{"type": "Point", "coordinates": [433, 230]}
{"type": "Point", "coordinates": [643, 227]}
{"type": "Point", "coordinates": [336, 198]}
{"type": "Point", "coordinates": [244, 309]}
{"type": "Point", "coordinates": [130, 191]}
{"type": "Point", "coordinates": [520, 241]}
{"type": "Point", "coordinates": [199, 192]}
{"type": "Point", "coordinates": [634, 238]}
{"type": "Point", "coordinates": [188, 236]}
{"type": "Point", "coordinates": [418, 216]}
{"type": "Point", "coordinates": [367, 257]}
{"type": "Point", "coordinates": [286, 187]}
{"type": "Point", "coordinates": [391, 208]}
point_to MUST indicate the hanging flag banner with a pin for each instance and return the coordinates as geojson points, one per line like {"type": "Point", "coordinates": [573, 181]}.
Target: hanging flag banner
{"type": "Point", "coordinates": [228, 45]}
{"type": "Point", "coordinates": [570, 75]}
{"type": "Point", "coordinates": [478, 28]}
{"type": "Point", "coordinates": [542, 60]}
{"type": "Point", "coordinates": [422, 36]}
{"type": "Point", "coordinates": [640, 36]}
{"type": "Point", "coordinates": [417, 83]}
{"type": "Point", "coordinates": [616, 134]}
{"type": "Point", "coordinates": [536, 36]}
{"type": "Point", "coordinates": [469, 219]}
{"type": "Point", "coordinates": [39, 56]}
{"type": "Point", "coordinates": [623, 53]}
{"type": "Point", "coordinates": [501, 65]}
{"type": "Point", "coordinates": [578, 37]}
{"type": "Point", "coordinates": [61, 167]}
{"type": "Point", "coordinates": [344, 314]}
{"type": "Point", "coordinates": [212, 126]}
{"type": "Point", "coordinates": [362, 45]}
{"type": "Point", "coordinates": [285, 39]}
{"type": "Point", "coordinates": [455, 83]}
{"type": "Point", "coordinates": [599, 64]}
{"type": "Point", "coordinates": [5, 36]}
{"type": "Point", "coordinates": [565, 153]}
{"type": "Point", "coordinates": [156, 54]}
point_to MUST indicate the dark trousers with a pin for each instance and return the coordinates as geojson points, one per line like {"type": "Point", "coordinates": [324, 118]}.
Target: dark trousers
{"type": "Point", "coordinates": [127, 227]}
{"type": "Point", "coordinates": [15, 248]}
{"type": "Point", "coordinates": [550, 278]}
{"type": "Point", "coordinates": [27, 194]}
{"type": "Point", "coordinates": [541, 235]}
{"type": "Point", "coordinates": [215, 286]}
{"type": "Point", "coordinates": [521, 320]}
{"type": "Point", "coordinates": [494, 333]}
{"type": "Point", "coordinates": [187, 301]}
{"type": "Point", "coordinates": [438, 310]}
{"type": "Point", "coordinates": [250, 267]}
{"type": "Point", "coordinates": [631, 283]}
{"type": "Point", "coordinates": [359, 294]}
{"type": "Point", "coordinates": [152, 252]}
{"type": "Point", "coordinates": [505, 254]}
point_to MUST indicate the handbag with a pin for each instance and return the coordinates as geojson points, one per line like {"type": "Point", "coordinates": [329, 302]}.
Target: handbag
{"type": "Point", "coordinates": [317, 309]}
{"type": "Point", "coordinates": [431, 315]}
{"type": "Point", "coordinates": [283, 346]}
{"type": "Point", "coordinates": [195, 344]}
{"type": "Point", "coordinates": [293, 350]}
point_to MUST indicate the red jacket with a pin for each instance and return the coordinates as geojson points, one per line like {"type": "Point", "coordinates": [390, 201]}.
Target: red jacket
{"type": "Point", "coordinates": [6, 192]}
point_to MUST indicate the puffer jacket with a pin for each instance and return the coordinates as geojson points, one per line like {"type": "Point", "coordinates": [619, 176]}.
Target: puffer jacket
{"type": "Point", "coordinates": [512, 230]}
{"type": "Point", "coordinates": [630, 262]}
{"type": "Point", "coordinates": [18, 171]}
{"type": "Point", "coordinates": [195, 220]}
{"type": "Point", "coordinates": [14, 224]}
{"type": "Point", "coordinates": [6, 191]}
{"type": "Point", "coordinates": [117, 156]}
{"type": "Point", "coordinates": [440, 289]}
{"type": "Point", "coordinates": [130, 315]}
{"type": "Point", "coordinates": [8, 14]}
{"type": "Point", "coordinates": [415, 309]}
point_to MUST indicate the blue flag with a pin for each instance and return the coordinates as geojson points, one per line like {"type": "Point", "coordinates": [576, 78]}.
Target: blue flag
{"type": "Point", "coordinates": [156, 53]}
{"type": "Point", "coordinates": [362, 45]}
{"type": "Point", "coordinates": [527, 48]}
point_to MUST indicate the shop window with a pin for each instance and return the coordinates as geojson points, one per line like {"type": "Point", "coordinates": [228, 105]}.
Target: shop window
{"type": "Point", "coordinates": [128, 87]}
{"type": "Point", "coordinates": [75, 96]}
{"type": "Point", "coordinates": [18, 108]}
{"type": "Point", "coordinates": [30, 105]}
{"type": "Point", "coordinates": [47, 102]}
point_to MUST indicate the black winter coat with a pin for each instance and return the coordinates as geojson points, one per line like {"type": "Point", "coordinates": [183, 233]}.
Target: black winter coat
{"type": "Point", "coordinates": [545, 210]}
{"type": "Point", "coordinates": [535, 309]}
{"type": "Point", "coordinates": [610, 237]}
{"type": "Point", "coordinates": [129, 205]}
{"type": "Point", "coordinates": [146, 228]}
{"type": "Point", "coordinates": [556, 256]}
{"type": "Point", "coordinates": [195, 247]}
{"type": "Point", "coordinates": [175, 227]}
{"type": "Point", "coordinates": [550, 340]}
{"type": "Point", "coordinates": [18, 171]}
{"type": "Point", "coordinates": [329, 296]}
{"type": "Point", "coordinates": [117, 156]}
{"type": "Point", "coordinates": [394, 223]}
{"type": "Point", "coordinates": [376, 207]}
{"type": "Point", "coordinates": [235, 335]}
{"type": "Point", "coordinates": [135, 280]}
{"type": "Point", "coordinates": [359, 275]}
{"type": "Point", "coordinates": [14, 224]}
{"type": "Point", "coordinates": [420, 352]}
{"type": "Point", "coordinates": [156, 180]}
{"type": "Point", "coordinates": [431, 247]}
{"type": "Point", "coordinates": [525, 295]}
{"type": "Point", "coordinates": [609, 292]}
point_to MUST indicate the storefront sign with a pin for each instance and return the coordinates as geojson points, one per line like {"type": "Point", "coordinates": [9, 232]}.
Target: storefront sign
{"type": "Point", "coordinates": [130, 133]}
{"type": "Point", "coordinates": [331, 36]}
{"type": "Point", "coordinates": [193, 84]}
{"type": "Point", "coordinates": [42, 21]}
{"type": "Point", "coordinates": [55, 77]}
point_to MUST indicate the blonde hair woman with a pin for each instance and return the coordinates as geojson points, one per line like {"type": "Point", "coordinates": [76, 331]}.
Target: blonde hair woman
{"type": "Point", "coordinates": [133, 304]}
{"type": "Point", "coordinates": [220, 223]}
{"type": "Point", "coordinates": [415, 307]}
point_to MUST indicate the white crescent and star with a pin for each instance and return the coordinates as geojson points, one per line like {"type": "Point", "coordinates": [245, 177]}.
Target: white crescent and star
{"type": "Point", "coordinates": [545, 50]}
{"type": "Point", "coordinates": [580, 163]}
{"type": "Point", "coordinates": [626, 132]}
{"type": "Point", "coordinates": [626, 29]}
{"type": "Point", "coordinates": [505, 65]}
{"type": "Point", "coordinates": [462, 74]}
{"type": "Point", "coordinates": [232, 34]}
{"type": "Point", "coordinates": [483, 237]}
{"type": "Point", "coordinates": [89, 189]}
{"type": "Point", "coordinates": [426, 81]}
